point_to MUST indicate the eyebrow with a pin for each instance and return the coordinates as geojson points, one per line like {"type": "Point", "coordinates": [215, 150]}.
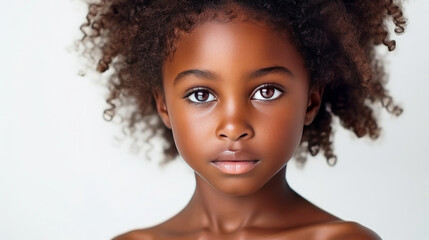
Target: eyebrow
{"type": "Point", "coordinates": [270, 70]}
{"type": "Point", "coordinates": [211, 76]}
{"type": "Point", "coordinates": [197, 72]}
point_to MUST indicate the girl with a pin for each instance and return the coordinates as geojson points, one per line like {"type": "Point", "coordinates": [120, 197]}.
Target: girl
{"type": "Point", "coordinates": [240, 87]}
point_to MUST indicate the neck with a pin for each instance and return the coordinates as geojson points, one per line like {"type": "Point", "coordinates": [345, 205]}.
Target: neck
{"type": "Point", "coordinates": [225, 213]}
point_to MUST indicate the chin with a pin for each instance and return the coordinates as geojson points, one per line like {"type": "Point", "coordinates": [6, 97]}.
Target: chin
{"type": "Point", "coordinates": [238, 188]}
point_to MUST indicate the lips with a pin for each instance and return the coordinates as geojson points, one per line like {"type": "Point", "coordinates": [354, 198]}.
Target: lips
{"type": "Point", "coordinates": [235, 162]}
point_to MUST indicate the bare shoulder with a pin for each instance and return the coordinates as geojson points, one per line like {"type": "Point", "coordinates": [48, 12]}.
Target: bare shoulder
{"type": "Point", "coordinates": [346, 231]}
{"type": "Point", "coordinates": [143, 234]}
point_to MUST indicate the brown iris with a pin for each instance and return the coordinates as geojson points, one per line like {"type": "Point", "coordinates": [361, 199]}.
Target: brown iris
{"type": "Point", "coordinates": [201, 95]}
{"type": "Point", "coordinates": [267, 92]}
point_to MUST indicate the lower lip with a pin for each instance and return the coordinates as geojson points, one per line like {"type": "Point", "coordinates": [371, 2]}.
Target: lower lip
{"type": "Point", "coordinates": [235, 167]}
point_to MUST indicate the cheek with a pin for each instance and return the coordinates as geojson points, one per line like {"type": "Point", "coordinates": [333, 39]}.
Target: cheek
{"type": "Point", "coordinates": [191, 132]}
{"type": "Point", "coordinates": [283, 133]}
{"type": "Point", "coordinates": [281, 128]}
{"type": "Point", "coordinates": [288, 133]}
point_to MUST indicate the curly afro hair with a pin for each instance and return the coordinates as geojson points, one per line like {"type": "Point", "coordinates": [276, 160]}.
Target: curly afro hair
{"type": "Point", "coordinates": [336, 38]}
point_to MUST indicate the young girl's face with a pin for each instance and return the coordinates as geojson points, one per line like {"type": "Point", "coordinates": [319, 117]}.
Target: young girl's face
{"type": "Point", "coordinates": [236, 98]}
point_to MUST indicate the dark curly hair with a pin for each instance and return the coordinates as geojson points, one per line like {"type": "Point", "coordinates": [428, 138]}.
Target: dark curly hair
{"type": "Point", "coordinates": [336, 38]}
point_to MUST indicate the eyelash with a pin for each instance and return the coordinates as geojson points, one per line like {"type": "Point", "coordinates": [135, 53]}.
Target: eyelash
{"type": "Point", "coordinates": [278, 92]}
{"type": "Point", "coordinates": [193, 91]}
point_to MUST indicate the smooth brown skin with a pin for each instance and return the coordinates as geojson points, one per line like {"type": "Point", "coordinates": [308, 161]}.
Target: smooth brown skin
{"type": "Point", "coordinates": [235, 115]}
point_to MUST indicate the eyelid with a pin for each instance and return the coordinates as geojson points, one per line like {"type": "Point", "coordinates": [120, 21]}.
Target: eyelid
{"type": "Point", "coordinates": [196, 89]}
{"type": "Point", "coordinates": [273, 85]}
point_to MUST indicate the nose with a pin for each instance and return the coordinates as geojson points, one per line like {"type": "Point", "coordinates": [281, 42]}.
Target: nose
{"type": "Point", "coordinates": [234, 124]}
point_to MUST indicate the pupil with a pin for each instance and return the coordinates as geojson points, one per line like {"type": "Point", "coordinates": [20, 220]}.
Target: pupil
{"type": "Point", "coordinates": [267, 92]}
{"type": "Point", "coordinates": [202, 96]}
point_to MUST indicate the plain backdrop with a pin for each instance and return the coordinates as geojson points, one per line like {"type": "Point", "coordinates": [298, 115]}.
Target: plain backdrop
{"type": "Point", "coordinates": [65, 176]}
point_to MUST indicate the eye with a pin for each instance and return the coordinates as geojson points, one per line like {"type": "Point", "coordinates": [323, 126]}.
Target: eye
{"type": "Point", "coordinates": [200, 95]}
{"type": "Point", "coordinates": [267, 92]}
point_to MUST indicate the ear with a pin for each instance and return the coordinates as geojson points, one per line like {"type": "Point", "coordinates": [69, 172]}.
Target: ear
{"type": "Point", "coordinates": [313, 105]}
{"type": "Point", "coordinates": [161, 107]}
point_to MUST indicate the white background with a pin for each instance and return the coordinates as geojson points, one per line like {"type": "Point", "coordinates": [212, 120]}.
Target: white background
{"type": "Point", "coordinates": [63, 176]}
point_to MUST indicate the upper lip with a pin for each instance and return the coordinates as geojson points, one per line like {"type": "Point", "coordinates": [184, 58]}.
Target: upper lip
{"type": "Point", "coordinates": [235, 156]}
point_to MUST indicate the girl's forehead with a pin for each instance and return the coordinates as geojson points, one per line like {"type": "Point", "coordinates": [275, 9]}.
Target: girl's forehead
{"type": "Point", "coordinates": [223, 13]}
{"type": "Point", "coordinates": [234, 47]}
{"type": "Point", "coordinates": [231, 36]}
{"type": "Point", "coordinates": [213, 18]}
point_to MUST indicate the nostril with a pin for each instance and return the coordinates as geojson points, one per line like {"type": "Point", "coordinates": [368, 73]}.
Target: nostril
{"type": "Point", "coordinates": [233, 137]}
{"type": "Point", "coordinates": [242, 135]}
